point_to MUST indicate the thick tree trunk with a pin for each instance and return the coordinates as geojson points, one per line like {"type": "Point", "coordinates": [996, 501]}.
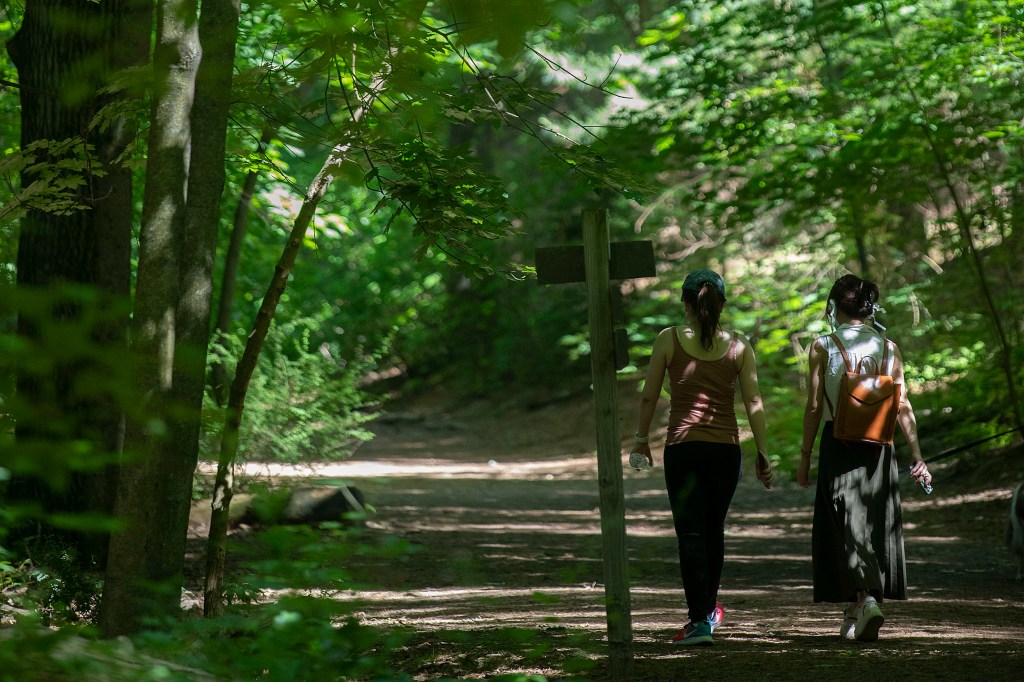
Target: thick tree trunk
{"type": "Point", "coordinates": [177, 309]}
{"type": "Point", "coordinates": [146, 558]}
{"type": "Point", "coordinates": [218, 30]}
{"type": "Point", "coordinates": [65, 51]}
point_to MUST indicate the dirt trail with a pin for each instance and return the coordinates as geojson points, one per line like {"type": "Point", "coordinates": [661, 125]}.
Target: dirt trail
{"type": "Point", "coordinates": [507, 578]}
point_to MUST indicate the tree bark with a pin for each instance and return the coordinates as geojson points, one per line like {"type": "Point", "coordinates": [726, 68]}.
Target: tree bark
{"type": "Point", "coordinates": [218, 30]}
{"type": "Point", "coordinates": [146, 558]}
{"type": "Point", "coordinates": [65, 52]}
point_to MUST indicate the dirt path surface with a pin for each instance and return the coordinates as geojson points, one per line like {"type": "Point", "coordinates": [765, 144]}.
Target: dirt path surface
{"type": "Point", "coordinates": [506, 574]}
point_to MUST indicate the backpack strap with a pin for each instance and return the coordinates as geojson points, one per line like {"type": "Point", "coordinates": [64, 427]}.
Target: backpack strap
{"type": "Point", "coordinates": [888, 359]}
{"type": "Point", "coordinates": [842, 349]}
{"type": "Point", "coordinates": [824, 390]}
{"type": "Point", "coordinates": [888, 356]}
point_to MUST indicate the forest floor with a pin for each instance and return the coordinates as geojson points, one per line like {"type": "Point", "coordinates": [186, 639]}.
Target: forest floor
{"type": "Point", "coordinates": [500, 503]}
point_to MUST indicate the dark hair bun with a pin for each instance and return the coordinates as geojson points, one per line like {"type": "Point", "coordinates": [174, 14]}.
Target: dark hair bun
{"type": "Point", "coordinates": [854, 296]}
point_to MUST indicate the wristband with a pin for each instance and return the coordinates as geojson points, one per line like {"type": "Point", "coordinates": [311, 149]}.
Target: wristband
{"type": "Point", "coordinates": [641, 440]}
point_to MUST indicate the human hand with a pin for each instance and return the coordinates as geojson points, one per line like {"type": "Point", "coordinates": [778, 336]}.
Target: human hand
{"type": "Point", "coordinates": [644, 451]}
{"type": "Point", "coordinates": [763, 470]}
{"type": "Point", "coordinates": [919, 470]}
{"type": "Point", "coordinates": [803, 473]}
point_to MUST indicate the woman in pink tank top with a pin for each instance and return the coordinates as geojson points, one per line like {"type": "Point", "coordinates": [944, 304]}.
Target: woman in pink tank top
{"type": "Point", "coordinates": [702, 455]}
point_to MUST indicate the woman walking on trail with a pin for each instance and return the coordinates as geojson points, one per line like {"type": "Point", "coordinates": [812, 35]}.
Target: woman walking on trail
{"type": "Point", "coordinates": [702, 454]}
{"type": "Point", "coordinates": [857, 534]}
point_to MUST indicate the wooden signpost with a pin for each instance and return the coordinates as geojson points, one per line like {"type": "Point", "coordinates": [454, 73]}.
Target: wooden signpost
{"type": "Point", "coordinates": [598, 262]}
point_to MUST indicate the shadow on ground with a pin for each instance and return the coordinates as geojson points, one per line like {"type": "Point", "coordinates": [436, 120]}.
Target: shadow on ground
{"type": "Point", "coordinates": [505, 576]}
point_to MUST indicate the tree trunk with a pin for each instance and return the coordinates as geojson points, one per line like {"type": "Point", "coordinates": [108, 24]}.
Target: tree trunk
{"type": "Point", "coordinates": [964, 220]}
{"type": "Point", "coordinates": [239, 227]}
{"type": "Point", "coordinates": [223, 491]}
{"type": "Point", "coordinates": [146, 558]}
{"type": "Point", "coordinates": [216, 550]}
{"type": "Point", "coordinates": [65, 52]}
{"type": "Point", "coordinates": [218, 30]}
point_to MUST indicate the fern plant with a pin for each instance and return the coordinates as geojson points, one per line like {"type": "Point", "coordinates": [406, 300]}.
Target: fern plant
{"type": "Point", "coordinates": [304, 403]}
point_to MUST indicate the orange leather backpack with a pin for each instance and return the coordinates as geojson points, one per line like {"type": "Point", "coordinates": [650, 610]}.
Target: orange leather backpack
{"type": "Point", "coordinates": [867, 404]}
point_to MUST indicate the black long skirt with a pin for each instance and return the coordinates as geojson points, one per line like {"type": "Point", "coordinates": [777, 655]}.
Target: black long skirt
{"type": "Point", "coordinates": [857, 536]}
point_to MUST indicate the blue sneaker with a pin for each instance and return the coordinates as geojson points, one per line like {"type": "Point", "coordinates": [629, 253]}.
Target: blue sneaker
{"type": "Point", "coordinates": [716, 616]}
{"type": "Point", "coordinates": [694, 634]}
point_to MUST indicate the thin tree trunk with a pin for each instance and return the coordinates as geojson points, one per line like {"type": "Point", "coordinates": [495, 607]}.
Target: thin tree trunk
{"type": "Point", "coordinates": [239, 227]}
{"type": "Point", "coordinates": [146, 558]}
{"type": "Point", "coordinates": [859, 234]}
{"type": "Point", "coordinates": [216, 552]}
{"type": "Point", "coordinates": [964, 227]}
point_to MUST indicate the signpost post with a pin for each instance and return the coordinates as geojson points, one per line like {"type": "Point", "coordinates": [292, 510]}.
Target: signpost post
{"type": "Point", "coordinates": [597, 263]}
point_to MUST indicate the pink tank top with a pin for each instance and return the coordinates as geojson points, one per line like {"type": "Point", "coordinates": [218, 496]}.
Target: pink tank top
{"type": "Point", "coordinates": [703, 405]}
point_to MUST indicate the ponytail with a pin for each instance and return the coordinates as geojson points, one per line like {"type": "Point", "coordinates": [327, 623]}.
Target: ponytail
{"type": "Point", "coordinates": [707, 305]}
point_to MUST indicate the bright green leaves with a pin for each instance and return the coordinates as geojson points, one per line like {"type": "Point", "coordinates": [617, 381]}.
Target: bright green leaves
{"type": "Point", "coordinates": [450, 202]}
{"type": "Point", "coordinates": [58, 173]}
{"type": "Point", "coordinates": [670, 30]}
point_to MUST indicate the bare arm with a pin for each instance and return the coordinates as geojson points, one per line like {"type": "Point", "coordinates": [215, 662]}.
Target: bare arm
{"type": "Point", "coordinates": [750, 391]}
{"type": "Point", "coordinates": [908, 422]}
{"type": "Point", "coordinates": [660, 356]}
{"type": "Point", "coordinates": [751, 394]}
{"type": "Point", "coordinates": [816, 358]}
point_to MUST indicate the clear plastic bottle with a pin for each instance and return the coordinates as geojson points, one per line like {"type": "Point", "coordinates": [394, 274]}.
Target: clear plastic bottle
{"type": "Point", "coordinates": [925, 486]}
{"type": "Point", "coordinates": [638, 461]}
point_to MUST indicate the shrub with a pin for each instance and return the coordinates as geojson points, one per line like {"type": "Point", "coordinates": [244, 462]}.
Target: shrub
{"type": "Point", "coordinates": [303, 403]}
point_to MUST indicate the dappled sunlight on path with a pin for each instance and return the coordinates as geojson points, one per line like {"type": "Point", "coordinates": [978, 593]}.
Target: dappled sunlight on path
{"type": "Point", "coordinates": [506, 549]}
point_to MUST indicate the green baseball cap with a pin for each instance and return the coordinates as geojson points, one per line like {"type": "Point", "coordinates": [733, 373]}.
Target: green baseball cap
{"type": "Point", "coordinates": [698, 278]}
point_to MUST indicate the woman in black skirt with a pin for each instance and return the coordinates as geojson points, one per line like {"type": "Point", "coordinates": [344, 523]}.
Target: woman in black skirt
{"type": "Point", "coordinates": [857, 536]}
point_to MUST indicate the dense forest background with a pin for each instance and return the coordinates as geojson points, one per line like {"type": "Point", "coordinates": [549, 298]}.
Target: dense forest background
{"type": "Point", "coordinates": [238, 232]}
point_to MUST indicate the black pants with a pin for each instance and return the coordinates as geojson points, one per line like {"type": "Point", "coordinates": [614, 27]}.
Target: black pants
{"type": "Point", "coordinates": [701, 479]}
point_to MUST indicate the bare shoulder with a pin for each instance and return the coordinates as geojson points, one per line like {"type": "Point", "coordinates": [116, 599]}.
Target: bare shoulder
{"type": "Point", "coordinates": [741, 340]}
{"type": "Point", "coordinates": [742, 349]}
{"type": "Point", "coordinates": [818, 346]}
{"type": "Point", "coordinates": [663, 344]}
{"type": "Point", "coordinates": [665, 336]}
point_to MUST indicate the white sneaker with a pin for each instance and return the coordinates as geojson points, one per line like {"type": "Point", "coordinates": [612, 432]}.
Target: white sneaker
{"type": "Point", "coordinates": [846, 630]}
{"type": "Point", "coordinates": [869, 620]}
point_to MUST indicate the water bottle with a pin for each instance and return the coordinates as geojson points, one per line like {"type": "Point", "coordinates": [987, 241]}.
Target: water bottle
{"type": "Point", "coordinates": [638, 461]}
{"type": "Point", "coordinates": [925, 486]}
